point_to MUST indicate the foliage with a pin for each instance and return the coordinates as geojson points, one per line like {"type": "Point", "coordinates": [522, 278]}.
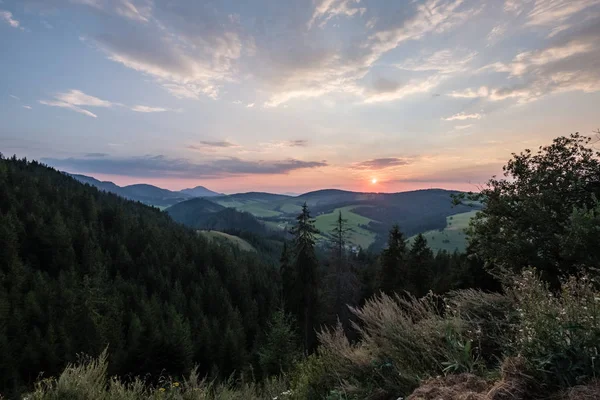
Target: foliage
{"type": "Point", "coordinates": [525, 216]}
{"type": "Point", "coordinates": [88, 380]}
{"type": "Point", "coordinates": [393, 262]}
{"type": "Point", "coordinates": [81, 269]}
{"type": "Point", "coordinates": [305, 267]}
{"type": "Point", "coordinates": [559, 334]}
{"type": "Point", "coordinates": [279, 350]}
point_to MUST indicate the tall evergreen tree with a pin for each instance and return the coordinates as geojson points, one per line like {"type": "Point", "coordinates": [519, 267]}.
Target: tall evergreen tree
{"type": "Point", "coordinates": [341, 282]}
{"type": "Point", "coordinates": [420, 267]}
{"type": "Point", "coordinates": [393, 263]}
{"type": "Point", "coordinates": [289, 279]}
{"type": "Point", "coordinates": [305, 265]}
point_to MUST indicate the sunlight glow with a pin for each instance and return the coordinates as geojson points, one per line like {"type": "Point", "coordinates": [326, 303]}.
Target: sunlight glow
{"type": "Point", "coordinates": [374, 180]}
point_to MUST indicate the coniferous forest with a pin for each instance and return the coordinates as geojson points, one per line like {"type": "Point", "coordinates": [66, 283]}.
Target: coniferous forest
{"type": "Point", "coordinates": [88, 274]}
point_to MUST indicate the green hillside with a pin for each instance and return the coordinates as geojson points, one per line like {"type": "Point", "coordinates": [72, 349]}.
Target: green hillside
{"type": "Point", "coordinates": [359, 235]}
{"type": "Point", "coordinates": [453, 236]}
{"type": "Point", "coordinates": [222, 236]}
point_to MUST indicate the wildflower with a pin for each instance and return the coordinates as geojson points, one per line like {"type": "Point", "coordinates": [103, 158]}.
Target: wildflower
{"type": "Point", "coordinates": [176, 384]}
{"type": "Point", "coordinates": [161, 389]}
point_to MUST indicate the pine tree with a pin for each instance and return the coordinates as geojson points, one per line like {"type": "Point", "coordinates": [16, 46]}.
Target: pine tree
{"type": "Point", "coordinates": [279, 349]}
{"type": "Point", "coordinates": [420, 272]}
{"type": "Point", "coordinates": [342, 284]}
{"type": "Point", "coordinates": [305, 266]}
{"type": "Point", "coordinates": [393, 263]}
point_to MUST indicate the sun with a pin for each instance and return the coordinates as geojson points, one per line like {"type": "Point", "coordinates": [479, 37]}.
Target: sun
{"type": "Point", "coordinates": [374, 180]}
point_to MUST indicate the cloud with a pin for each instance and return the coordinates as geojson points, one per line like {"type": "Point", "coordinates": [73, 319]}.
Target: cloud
{"type": "Point", "coordinates": [476, 174]}
{"type": "Point", "coordinates": [383, 93]}
{"type": "Point", "coordinates": [470, 93]}
{"type": "Point", "coordinates": [463, 127]}
{"type": "Point", "coordinates": [556, 12]}
{"type": "Point", "coordinates": [298, 143]}
{"type": "Point", "coordinates": [382, 163]}
{"type": "Point", "coordinates": [442, 61]}
{"type": "Point", "coordinates": [7, 17]}
{"type": "Point", "coordinates": [463, 116]}
{"type": "Point", "coordinates": [61, 104]}
{"type": "Point", "coordinates": [197, 49]}
{"type": "Point", "coordinates": [96, 155]}
{"type": "Point", "coordinates": [567, 63]}
{"type": "Point", "coordinates": [74, 99]}
{"type": "Point", "coordinates": [147, 109]}
{"type": "Point", "coordinates": [78, 98]}
{"type": "Point", "coordinates": [250, 105]}
{"type": "Point", "coordinates": [139, 10]}
{"type": "Point", "coordinates": [27, 107]}
{"type": "Point", "coordinates": [162, 166]}
{"type": "Point", "coordinates": [14, 97]}
{"type": "Point", "coordinates": [327, 9]}
{"type": "Point", "coordinates": [496, 33]}
{"type": "Point", "coordinates": [216, 143]}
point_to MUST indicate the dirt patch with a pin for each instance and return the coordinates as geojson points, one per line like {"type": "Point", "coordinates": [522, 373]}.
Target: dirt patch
{"type": "Point", "coordinates": [583, 392]}
{"type": "Point", "coordinates": [452, 387]}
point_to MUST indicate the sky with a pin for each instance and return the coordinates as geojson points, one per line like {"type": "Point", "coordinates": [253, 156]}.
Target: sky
{"type": "Point", "coordinates": [295, 95]}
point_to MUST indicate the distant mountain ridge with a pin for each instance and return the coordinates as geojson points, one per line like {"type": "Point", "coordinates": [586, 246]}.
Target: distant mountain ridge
{"type": "Point", "coordinates": [200, 191]}
{"type": "Point", "coordinates": [144, 193]}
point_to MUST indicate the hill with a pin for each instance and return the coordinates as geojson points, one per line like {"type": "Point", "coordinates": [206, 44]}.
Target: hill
{"type": "Point", "coordinates": [82, 269]}
{"type": "Point", "coordinates": [222, 237]}
{"type": "Point", "coordinates": [204, 214]}
{"type": "Point", "coordinates": [147, 194]}
{"type": "Point", "coordinates": [370, 215]}
{"type": "Point", "coordinates": [193, 212]}
{"type": "Point", "coordinates": [452, 237]}
{"type": "Point", "coordinates": [200, 191]}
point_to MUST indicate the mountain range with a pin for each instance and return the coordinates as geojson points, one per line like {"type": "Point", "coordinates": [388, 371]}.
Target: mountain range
{"type": "Point", "coordinates": [369, 215]}
{"type": "Point", "coordinates": [148, 194]}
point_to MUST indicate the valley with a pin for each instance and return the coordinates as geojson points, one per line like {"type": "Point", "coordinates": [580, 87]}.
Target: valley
{"type": "Point", "coordinates": [369, 215]}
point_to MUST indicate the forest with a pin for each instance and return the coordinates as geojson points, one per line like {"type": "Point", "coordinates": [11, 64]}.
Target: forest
{"type": "Point", "coordinates": [102, 297]}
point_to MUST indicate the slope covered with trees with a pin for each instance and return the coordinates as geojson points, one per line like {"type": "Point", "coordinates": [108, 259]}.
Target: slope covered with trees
{"type": "Point", "coordinates": [81, 270]}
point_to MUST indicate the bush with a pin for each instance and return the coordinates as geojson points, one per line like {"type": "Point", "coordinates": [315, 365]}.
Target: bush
{"type": "Point", "coordinates": [87, 380]}
{"type": "Point", "coordinates": [559, 334]}
{"type": "Point", "coordinates": [402, 341]}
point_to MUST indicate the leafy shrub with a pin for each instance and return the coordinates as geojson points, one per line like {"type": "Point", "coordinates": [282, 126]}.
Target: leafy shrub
{"type": "Point", "coordinates": [311, 379]}
{"type": "Point", "coordinates": [559, 334]}
{"type": "Point", "coordinates": [402, 341]}
{"type": "Point", "coordinates": [88, 380]}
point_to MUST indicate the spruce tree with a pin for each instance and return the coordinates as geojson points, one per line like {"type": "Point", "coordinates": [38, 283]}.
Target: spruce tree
{"type": "Point", "coordinates": [420, 269]}
{"type": "Point", "coordinates": [342, 284]}
{"type": "Point", "coordinates": [393, 263]}
{"type": "Point", "coordinates": [305, 266]}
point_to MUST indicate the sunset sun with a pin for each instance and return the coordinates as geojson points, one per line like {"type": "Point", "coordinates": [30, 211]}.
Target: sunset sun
{"type": "Point", "coordinates": [374, 180]}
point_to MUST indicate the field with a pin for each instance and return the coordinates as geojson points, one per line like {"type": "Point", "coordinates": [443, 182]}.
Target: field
{"type": "Point", "coordinates": [220, 236]}
{"type": "Point", "coordinates": [453, 236]}
{"type": "Point", "coordinates": [359, 236]}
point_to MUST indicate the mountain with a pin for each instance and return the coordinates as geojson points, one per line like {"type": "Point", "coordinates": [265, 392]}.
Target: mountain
{"type": "Point", "coordinates": [370, 215]}
{"type": "Point", "coordinates": [153, 195]}
{"type": "Point", "coordinates": [200, 213]}
{"type": "Point", "coordinates": [146, 194]}
{"type": "Point", "coordinates": [200, 191]}
{"type": "Point", "coordinates": [82, 270]}
{"type": "Point", "coordinates": [106, 186]}
{"type": "Point", "coordinates": [193, 212]}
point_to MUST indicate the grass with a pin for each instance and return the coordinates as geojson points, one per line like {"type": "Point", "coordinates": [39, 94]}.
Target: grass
{"type": "Point", "coordinates": [222, 236]}
{"type": "Point", "coordinates": [290, 208]}
{"type": "Point", "coordinates": [453, 236]}
{"type": "Point", "coordinates": [359, 236]}
{"type": "Point", "coordinates": [260, 210]}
